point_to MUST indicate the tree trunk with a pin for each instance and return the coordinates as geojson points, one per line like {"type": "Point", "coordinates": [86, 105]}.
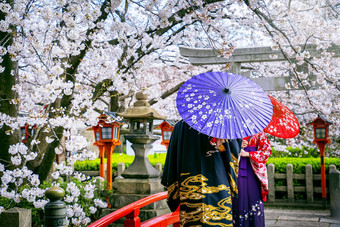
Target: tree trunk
{"type": "Point", "coordinates": [49, 156]}
{"type": "Point", "coordinates": [114, 105]}
{"type": "Point", "coordinates": [43, 164]}
{"type": "Point", "coordinates": [6, 96]}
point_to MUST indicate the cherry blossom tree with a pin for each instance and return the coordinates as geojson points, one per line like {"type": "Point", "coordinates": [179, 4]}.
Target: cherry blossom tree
{"type": "Point", "coordinates": [61, 60]}
{"type": "Point", "coordinates": [292, 26]}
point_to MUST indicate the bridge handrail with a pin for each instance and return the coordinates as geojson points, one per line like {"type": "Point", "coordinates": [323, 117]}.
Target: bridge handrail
{"type": "Point", "coordinates": [163, 220]}
{"type": "Point", "coordinates": [132, 212]}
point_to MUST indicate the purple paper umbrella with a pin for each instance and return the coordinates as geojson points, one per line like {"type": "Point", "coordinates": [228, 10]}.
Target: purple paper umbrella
{"type": "Point", "coordinates": [224, 105]}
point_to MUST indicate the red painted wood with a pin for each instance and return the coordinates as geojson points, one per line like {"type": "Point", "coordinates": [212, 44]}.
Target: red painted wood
{"type": "Point", "coordinates": [131, 208]}
{"type": "Point", "coordinates": [164, 220]}
{"type": "Point", "coordinates": [108, 148]}
{"type": "Point", "coordinates": [101, 166]}
{"type": "Point", "coordinates": [132, 219]}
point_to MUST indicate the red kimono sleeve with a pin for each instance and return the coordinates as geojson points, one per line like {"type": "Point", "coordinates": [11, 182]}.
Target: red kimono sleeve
{"type": "Point", "coordinates": [258, 160]}
{"type": "Point", "coordinates": [264, 149]}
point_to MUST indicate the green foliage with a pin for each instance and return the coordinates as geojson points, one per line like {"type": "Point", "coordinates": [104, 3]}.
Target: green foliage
{"type": "Point", "coordinates": [87, 165]}
{"type": "Point", "coordinates": [299, 164]}
{"type": "Point", "coordinates": [280, 182]}
{"type": "Point", "coordinates": [157, 158]}
{"type": "Point", "coordinates": [116, 159]}
{"type": "Point", "coordinates": [300, 196]}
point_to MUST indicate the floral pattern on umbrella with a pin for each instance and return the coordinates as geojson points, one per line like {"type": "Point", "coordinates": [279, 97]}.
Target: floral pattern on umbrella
{"type": "Point", "coordinates": [284, 123]}
{"type": "Point", "coordinates": [224, 105]}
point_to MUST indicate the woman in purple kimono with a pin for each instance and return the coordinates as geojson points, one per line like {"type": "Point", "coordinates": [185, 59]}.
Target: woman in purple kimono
{"type": "Point", "coordinates": [252, 181]}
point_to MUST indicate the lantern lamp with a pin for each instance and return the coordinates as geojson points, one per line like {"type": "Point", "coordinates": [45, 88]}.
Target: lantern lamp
{"type": "Point", "coordinates": [166, 129]}
{"type": "Point", "coordinates": [106, 132]}
{"type": "Point", "coordinates": [320, 127]}
{"type": "Point", "coordinates": [106, 137]}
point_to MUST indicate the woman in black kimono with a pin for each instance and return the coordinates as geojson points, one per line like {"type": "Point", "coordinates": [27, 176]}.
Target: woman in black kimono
{"type": "Point", "coordinates": [200, 178]}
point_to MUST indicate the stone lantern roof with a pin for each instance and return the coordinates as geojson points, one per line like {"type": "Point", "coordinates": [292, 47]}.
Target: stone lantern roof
{"type": "Point", "coordinates": [141, 109]}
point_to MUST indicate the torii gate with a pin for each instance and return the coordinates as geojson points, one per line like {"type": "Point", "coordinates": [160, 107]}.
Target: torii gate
{"type": "Point", "coordinates": [207, 56]}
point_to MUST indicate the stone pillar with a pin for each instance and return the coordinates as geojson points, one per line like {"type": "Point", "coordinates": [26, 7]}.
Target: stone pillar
{"type": "Point", "coordinates": [331, 167]}
{"type": "Point", "coordinates": [16, 217]}
{"type": "Point", "coordinates": [290, 186]}
{"type": "Point", "coordinates": [129, 190]}
{"type": "Point", "coordinates": [235, 67]}
{"type": "Point", "coordinates": [334, 193]}
{"type": "Point", "coordinates": [271, 182]}
{"type": "Point", "coordinates": [141, 166]}
{"type": "Point", "coordinates": [139, 180]}
{"type": "Point", "coordinates": [309, 184]}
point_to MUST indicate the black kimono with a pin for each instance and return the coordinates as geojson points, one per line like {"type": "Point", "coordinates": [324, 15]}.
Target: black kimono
{"type": "Point", "coordinates": [200, 178]}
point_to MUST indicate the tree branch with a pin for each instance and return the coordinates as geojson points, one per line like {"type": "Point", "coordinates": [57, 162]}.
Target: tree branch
{"type": "Point", "coordinates": [167, 93]}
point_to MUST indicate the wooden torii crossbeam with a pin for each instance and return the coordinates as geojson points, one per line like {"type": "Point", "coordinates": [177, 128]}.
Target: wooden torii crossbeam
{"type": "Point", "coordinates": [207, 56]}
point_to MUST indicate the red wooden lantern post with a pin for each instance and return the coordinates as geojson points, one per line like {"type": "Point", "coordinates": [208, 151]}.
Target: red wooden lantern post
{"type": "Point", "coordinates": [320, 127]}
{"type": "Point", "coordinates": [101, 155]}
{"type": "Point", "coordinates": [166, 128]}
{"type": "Point", "coordinates": [107, 138]}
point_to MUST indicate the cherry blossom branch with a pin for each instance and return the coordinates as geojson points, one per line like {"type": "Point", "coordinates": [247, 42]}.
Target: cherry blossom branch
{"type": "Point", "coordinates": [38, 55]}
{"type": "Point", "coordinates": [271, 23]}
{"type": "Point", "coordinates": [167, 93]}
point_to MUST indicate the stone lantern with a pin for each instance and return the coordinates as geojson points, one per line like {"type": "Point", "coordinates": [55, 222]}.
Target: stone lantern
{"type": "Point", "coordinates": [140, 118]}
{"type": "Point", "coordinates": [140, 179]}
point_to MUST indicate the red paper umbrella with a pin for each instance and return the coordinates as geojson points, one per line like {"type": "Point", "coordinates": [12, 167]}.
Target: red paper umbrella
{"type": "Point", "coordinates": [284, 124]}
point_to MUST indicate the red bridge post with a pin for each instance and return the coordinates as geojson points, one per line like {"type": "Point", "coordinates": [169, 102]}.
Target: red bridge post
{"type": "Point", "coordinates": [132, 219]}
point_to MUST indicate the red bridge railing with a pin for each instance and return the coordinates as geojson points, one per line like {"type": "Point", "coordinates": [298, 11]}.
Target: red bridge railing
{"type": "Point", "coordinates": [131, 212]}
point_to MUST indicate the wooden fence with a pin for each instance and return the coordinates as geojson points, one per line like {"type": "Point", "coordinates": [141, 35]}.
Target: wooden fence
{"type": "Point", "coordinates": [310, 188]}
